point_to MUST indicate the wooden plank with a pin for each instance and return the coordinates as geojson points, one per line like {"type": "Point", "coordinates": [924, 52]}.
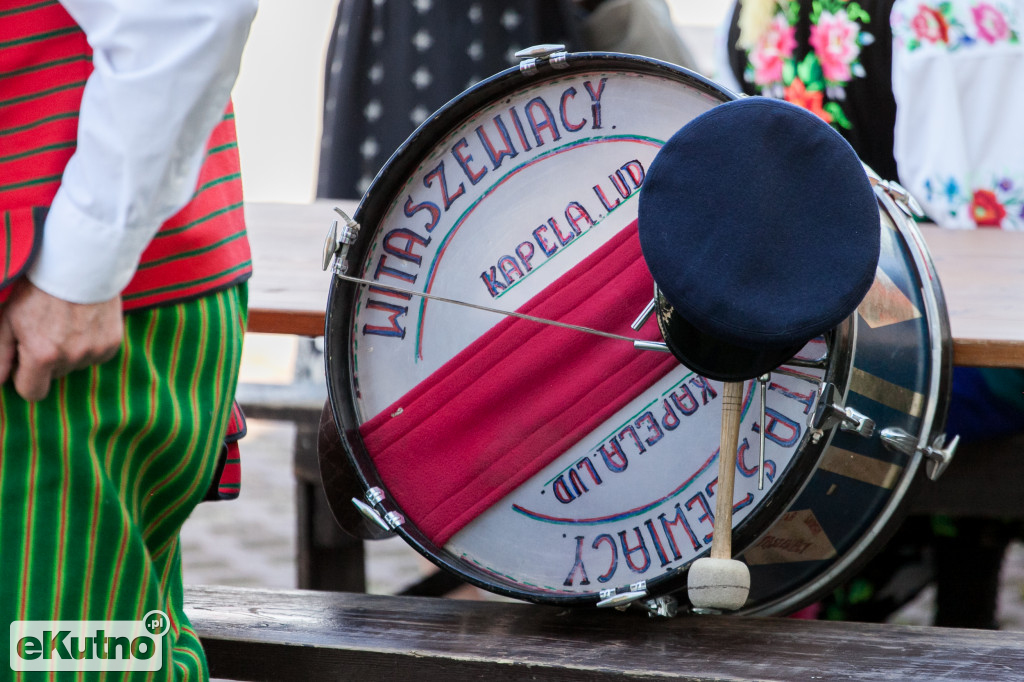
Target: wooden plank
{"type": "Point", "coordinates": [264, 634]}
{"type": "Point", "coordinates": [981, 271]}
{"type": "Point", "coordinates": [288, 291]}
{"type": "Point", "coordinates": [982, 276]}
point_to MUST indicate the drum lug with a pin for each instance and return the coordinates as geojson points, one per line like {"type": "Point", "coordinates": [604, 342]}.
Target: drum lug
{"type": "Point", "coordinates": [531, 58]}
{"type": "Point", "coordinates": [938, 454]}
{"type": "Point", "coordinates": [897, 192]}
{"type": "Point", "coordinates": [370, 513]}
{"type": "Point", "coordinates": [337, 243]}
{"type": "Point", "coordinates": [375, 496]}
{"type": "Point", "coordinates": [620, 598]}
{"type": "Point", "coordinates": [829, 413]}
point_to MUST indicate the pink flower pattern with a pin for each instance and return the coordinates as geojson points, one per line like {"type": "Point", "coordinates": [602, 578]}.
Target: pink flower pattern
{"type": "Point", "coordinates": [955, 26]}
{"type": "Point", "coordinates": [776, 45]}
{"type": "Point", "coordinates": [991, 23]}
{"type": "Point", "coordinates": [835, 41]}
{"type": "Point", "coordinates": [817, 79]}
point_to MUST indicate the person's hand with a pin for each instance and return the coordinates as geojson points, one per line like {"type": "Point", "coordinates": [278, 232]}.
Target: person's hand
{"type": "Point", "coordinates": [42, 338]}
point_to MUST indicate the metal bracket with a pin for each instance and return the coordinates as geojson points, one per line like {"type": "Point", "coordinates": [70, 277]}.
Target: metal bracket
{"type": "Point", "coordinates": [530, 58]}
{"type": "Point", "coordinates": [938, 454]}
{"type": "Point", "coordinates": [337, 243]}
{"type": "Point", "coordinates": [613, 598]}
{"type": "Point", "coordinates": [829, 412]}
{"type": "Point", "coordinates": [897, 192]}
{"type": "Point", "coordinates": [387, 520]}
{"type": "Point", "coordinates": [660, 346]}
{"type": "Point", "coordinates": [663, 607]}
{"type": "Point", "coordinates": [370, 513]}
{"type": "Point", "coordinates": [644, 315]}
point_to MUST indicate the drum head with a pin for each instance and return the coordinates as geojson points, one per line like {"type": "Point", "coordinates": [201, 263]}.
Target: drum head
{"type": "Point", "coordinates": [556, 466]}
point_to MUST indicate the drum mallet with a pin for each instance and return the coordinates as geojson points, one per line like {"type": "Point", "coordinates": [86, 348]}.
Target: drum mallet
{"type": "Point", "coordinates": [717, 228]}
{"type": "Point", "coordinates": [720, 582]}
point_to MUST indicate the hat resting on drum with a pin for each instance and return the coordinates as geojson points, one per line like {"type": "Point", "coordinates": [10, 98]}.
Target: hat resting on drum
{"type": "Point", "coordinates": [761, 231]}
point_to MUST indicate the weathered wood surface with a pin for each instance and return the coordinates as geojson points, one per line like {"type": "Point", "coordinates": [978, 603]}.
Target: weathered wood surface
{"type": "Point", "coordinates": [982, 274]}
{"type": "Point", "coordinates": [288, 291]}
{"type": "Point", "coordinates": [262, 634]}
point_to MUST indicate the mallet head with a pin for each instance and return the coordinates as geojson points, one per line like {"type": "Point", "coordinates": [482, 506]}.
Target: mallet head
{"type": "Point", "coordinates": [721, 584]}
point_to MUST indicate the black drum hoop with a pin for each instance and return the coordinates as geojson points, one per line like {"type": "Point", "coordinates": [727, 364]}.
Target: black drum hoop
{"type": "Point", "coordinates": [342, 381]}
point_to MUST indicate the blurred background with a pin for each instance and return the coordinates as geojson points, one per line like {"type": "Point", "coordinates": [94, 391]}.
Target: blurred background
{"type": "Point", "coordinates": [279, 93]}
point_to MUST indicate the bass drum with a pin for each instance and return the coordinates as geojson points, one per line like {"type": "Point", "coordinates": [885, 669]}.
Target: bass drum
{"type": "Point", "coordinates": [557, 466]}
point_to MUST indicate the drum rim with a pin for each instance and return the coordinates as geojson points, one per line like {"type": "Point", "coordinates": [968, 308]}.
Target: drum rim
{"type": "Point", "coordinates": [341, 302]}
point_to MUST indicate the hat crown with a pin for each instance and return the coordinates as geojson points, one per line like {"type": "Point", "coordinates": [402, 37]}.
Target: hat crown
{"type": "Point", "coordinates": [760, 228]}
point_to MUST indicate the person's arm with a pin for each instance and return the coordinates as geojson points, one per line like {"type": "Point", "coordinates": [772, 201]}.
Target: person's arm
{"type": "Point", "coordinates": [162, 75]}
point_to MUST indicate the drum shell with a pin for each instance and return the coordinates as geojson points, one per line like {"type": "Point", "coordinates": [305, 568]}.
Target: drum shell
{"type": "Point", "coordinates": [782, 501]}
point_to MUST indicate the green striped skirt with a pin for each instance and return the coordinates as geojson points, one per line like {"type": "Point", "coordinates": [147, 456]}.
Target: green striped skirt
{"type": "Point", "coordinates": [97, 479]}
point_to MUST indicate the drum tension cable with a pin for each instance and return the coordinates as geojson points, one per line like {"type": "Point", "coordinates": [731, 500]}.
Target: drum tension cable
{"type": "Point", "coordinates": [337, 245]}
{"type": "Point", "coordinates": [640, 344]}
{"type": "Point", "coordinates": [336, 248]}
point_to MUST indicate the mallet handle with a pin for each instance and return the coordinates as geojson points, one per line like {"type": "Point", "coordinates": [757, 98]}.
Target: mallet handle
{"type": "Point", "coordinates": [732, 407]}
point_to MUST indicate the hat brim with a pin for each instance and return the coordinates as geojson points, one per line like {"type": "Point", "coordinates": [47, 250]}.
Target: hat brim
{"type": "Point", "coordinates": [713, 357]}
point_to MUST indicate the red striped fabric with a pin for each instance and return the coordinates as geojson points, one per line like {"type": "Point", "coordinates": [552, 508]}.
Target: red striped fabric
{"type": "Point", "coordinates": [16, 250]}
{"type": "Point", "coordinates": [519, 396]}
{"type": "Point", "coordinates": [44, 63]}
{"type": "Point", "coordinates": [228, 483]}
{"type": "Point", "coordinates": [203, 247]}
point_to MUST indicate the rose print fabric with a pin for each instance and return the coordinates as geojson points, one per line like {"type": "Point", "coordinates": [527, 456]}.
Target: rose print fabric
{"type": "Point", "coordinates": [958, 80]}
{"type": "Point", "coordinates": [831, 57]}
{"type": "Point", "coordinates": [816, 79]}
{"type": "Point", "coordinates": [930, 93]}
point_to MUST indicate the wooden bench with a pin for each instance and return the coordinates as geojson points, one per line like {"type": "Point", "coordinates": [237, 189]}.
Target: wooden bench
{"type": "Point", "coordinates": [303, 635]}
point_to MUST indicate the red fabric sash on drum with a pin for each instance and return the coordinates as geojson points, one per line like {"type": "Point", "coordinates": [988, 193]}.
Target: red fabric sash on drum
{"type": "Point", "coordinates": [520, 395]}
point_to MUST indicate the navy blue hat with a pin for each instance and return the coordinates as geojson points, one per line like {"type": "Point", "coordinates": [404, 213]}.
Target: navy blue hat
{"type": "Point", "coordinates": [761, 230]}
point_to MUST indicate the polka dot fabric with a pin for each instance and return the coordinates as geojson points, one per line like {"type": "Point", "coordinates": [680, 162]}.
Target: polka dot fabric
{"type": "Point", "coordinates": [392, 63]}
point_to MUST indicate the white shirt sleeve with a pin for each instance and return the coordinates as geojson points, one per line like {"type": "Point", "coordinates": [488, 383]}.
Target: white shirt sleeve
{"type": "Point", "coordinates": [162, 75]}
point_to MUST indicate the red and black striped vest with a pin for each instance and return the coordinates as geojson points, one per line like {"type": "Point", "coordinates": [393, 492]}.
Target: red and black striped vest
{"type": "Point", "coordinates": [44, 63]}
